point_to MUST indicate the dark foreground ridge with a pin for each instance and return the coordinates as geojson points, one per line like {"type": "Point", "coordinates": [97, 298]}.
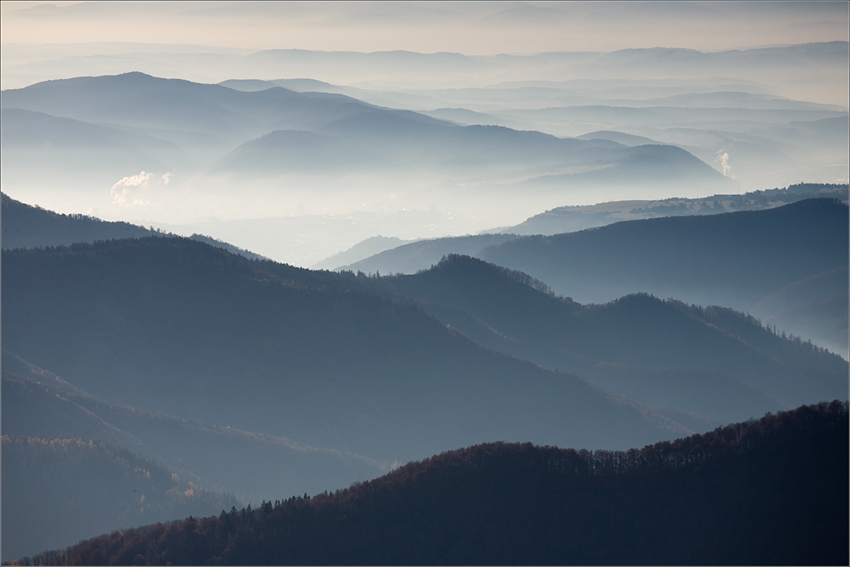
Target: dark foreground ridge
{"type": "Point", "coordinates": [768, 491]}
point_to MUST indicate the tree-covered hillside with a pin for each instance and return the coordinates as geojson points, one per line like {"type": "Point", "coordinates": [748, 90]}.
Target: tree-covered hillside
{"type": "Point", "coordinates": [25, 226]}
{"type": "Point", "coordinates": [174, 325]}
{"type": "Point", "coordinates": [772, 491]}
{"type": "Point", "coordinates": [712, 362]}
{"type": "Point", "coordinates": [732, 259]}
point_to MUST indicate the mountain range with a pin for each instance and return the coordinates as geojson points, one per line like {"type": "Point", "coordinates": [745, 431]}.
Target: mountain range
{"type": "Point", "coordinates": [390, 382]}
{"type": "Point", "coordinates": [365, 347]}
{"type": "Point", "coordinates": [186, 353]}
{"type": "Point", "coordinates": [643, 380]}
{"type": "Point", "coordinates": [579, 217]}
{"type": "Point", "coordinates": [712, 362]}
{"type": "Point", "coordinates": [738, 260]}
{"type": "Point", "coordinates": [281, 131]}
{"type": "Point", "coordinates": [95, 134]}
{"type": "Point", "coordinates": [137, 147]}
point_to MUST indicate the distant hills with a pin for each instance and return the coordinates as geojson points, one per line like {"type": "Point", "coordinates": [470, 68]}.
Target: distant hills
{"type": "Point", "coordinates": [573, 218]}
{"type": "Point", "coordinates": [363, 249]}
{"type": "Point", "coordinates": [733, 259]}
{"type": "Point", "coordinates": [653, 163]}
{"type": "Point", "coordinates": [397, 140]}
{"type": "Point", "coordinates": [422, 254]}
{"type": "Point", "coordinates": [37, 140]}
{"type": "Point", "coordinates": [407, 259]}
{"type": "Point", "coordinates": [277, 131]}
{"type": "Point", "coordinates": [753, 105]}
{"type": "Point", "coordinates": [713, 363]}
{"type": "Point", "coordinates": [768, 491]}
{"type": "Point", "coordinates": [579, 217]}
{"type": "Point", "coordinates": [730, 259]}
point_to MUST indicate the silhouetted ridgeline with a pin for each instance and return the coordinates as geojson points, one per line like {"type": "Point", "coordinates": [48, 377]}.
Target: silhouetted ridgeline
{"type": "Point", "coordinates": [772, 491]}
{"type": "Point", "coordinates": [573, 218]}
{"type": "Point", "coordinates": [713, 362]}
{"type": "Point", "coordinates": [25, 226]}
{"type": "Point", "coordinates": [731, 259]}
{"type": "Point", "coordinates": [786, 265]}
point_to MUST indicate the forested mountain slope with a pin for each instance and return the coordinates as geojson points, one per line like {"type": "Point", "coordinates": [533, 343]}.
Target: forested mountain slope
{"type": "Point", "coordinates": [772, 491]}
{"type": "Point", "coordinates": [736, 260]}
{"type": "Point", "coordinates": [572, 218]}
{"type": "Point", "coordinates": [713, 362]}
{"type": "Point", "coordinates": [729, 259]}
{"type": "Point", "coordinates": [178, 326]}
{"type": "Point", "coordinates": [27, 226]}
{"type": "Point", "coordinates": [786, 265]}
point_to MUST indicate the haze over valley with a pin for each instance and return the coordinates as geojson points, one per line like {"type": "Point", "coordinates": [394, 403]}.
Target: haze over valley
{"type": "Point", "coordinates": [337, 283]}
{"type": "Point", "coordinates": [330, 146]}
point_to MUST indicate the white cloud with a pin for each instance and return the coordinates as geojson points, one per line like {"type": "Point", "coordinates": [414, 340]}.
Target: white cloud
{"type": "Point", "coordinates": [723, 159]}
{"type": "Point", "coordinates": [131, 190]}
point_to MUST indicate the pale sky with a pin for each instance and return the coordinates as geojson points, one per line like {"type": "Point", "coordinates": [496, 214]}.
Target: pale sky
{"type": "Point", "coordinates": [472, 28]}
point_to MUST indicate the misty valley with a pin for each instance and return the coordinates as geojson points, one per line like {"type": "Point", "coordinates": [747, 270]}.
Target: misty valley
{"type": "Point", "coordinates": [301, 306]}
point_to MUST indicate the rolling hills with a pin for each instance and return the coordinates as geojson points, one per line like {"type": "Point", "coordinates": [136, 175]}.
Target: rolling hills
{"type": "Point", "coordinates": [736, 260]}
{"type": "Point", "coordinates": [733, 259]}
{"type": "Point", "coordinates": [173, 325]}
{"type": "Point", "coordinates": [573, 218]}
{"type": "Point", "coordinates": [712, 362]}
{"type": "Point", "coordinates": [278, 131]}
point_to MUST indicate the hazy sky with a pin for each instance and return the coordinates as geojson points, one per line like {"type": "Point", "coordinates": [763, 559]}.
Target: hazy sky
{"type": "Point", "coordinates": [474, 28]}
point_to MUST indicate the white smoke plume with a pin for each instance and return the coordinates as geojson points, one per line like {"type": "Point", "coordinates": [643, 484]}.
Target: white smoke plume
{"type": "Point", "coordinates": [723, 159]}
{"type": "Point", "coordinates": [130, 191]}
